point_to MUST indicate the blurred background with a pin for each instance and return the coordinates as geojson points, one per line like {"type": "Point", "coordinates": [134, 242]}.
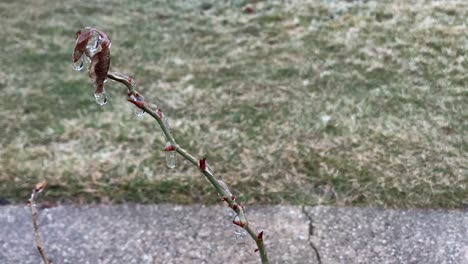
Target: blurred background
{"type": "Point", "coordinates": [292, 102]}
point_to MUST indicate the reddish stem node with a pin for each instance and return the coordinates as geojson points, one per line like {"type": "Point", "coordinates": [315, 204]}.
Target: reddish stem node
{"type": "Point", "coordinates": [169, 148]}
{"type": "Point", "coordinates": [159, 113]}
{"type": "Point", "coordinates": [202, 164]}
{"type": "Point", "coordinates": [139, 104]}
{"type": "Point", "coordinates": [238, 223]}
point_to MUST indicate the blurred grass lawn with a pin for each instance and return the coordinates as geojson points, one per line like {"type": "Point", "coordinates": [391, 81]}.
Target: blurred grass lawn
{"type": "Point", "coordinates": [311, 102]}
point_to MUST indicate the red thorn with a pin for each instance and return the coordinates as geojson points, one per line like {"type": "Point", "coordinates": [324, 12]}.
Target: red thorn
{"type": "Point", "coordinates": [169, 148]}
{"type": "Point", "coordinates": [256, 250]}
{"type": "Point", "coordinates": [238, 222]}
{"type": "Point", "coordinates": [260, 236]}
{"type": "Point", "coordinates": [234, 207]}
{"type": "Point", "coordinates": [248, 10]}
{"type": "Point", "coordinates": [224, 199]}
{"type": "Point", "coordinates": [202, 164]}
{"type": "Point", "coordinates": [233, 197]}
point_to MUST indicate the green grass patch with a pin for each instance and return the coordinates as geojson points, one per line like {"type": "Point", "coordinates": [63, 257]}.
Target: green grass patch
{"type": "Point", "coordinates": [313, 102]}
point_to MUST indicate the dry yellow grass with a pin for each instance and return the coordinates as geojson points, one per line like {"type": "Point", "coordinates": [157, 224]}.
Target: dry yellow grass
{"type": "Point", "coordinates": [306, 102]}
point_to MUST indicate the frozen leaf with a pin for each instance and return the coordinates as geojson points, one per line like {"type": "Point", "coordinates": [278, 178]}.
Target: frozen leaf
{"type": "Point", "coordinates": [93, 44]}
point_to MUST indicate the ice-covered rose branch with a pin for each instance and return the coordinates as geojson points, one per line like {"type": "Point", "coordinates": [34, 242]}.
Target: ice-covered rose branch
{"type": "Point", "coordinates": [93, 46]}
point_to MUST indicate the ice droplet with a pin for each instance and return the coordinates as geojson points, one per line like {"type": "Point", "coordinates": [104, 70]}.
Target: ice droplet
{"type": "Point", "coordinates": [78, 65]}
{"type": "Point", "coordinates": [138, 98]}
{"type": "Point", "coordinates": [139, 112]}
{"type": "Point", "coordinates": [241, 235]}
{"type": "Point", "coordinates": [170, 157]}
{"type": "Point", "coordinates": [225, 188]}
{"type": "Point", "coordinates": [94, 46]}
{"type": "Point", "coordinates": [101, 98]}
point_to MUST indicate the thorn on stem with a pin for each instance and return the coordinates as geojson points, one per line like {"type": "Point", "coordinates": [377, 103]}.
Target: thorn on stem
{"type": "Point", "coordinates": [169, 148]}
{"type": "Point", "coordinates": [260, 236]}
{"type": "Point", "coordinates": [234, 207]}
{"type": "Point", "coordinates": [202, 164]}
{"type": "Point", "coordinates": [256, 250]}
{"type": "Point", "coordinates": [238, 223]}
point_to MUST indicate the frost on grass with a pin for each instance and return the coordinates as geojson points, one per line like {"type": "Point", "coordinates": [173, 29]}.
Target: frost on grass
{"type": "Point", "coordinates": [391, 76]}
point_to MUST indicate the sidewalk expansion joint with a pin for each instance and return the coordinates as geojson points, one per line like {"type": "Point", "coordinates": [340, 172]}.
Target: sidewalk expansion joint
{"type": "Point", "coordinates": [311, 233]}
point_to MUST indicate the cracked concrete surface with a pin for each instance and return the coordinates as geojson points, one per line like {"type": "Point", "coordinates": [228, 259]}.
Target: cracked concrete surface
{"type": "Point", "coordinates": [369, 235]}
{"type": "Point", "coordinates": [199, 234]}
{"type": "Point", "coordinates": [311, 233]}
{"type": "Point", "coordinates": [152, 234]}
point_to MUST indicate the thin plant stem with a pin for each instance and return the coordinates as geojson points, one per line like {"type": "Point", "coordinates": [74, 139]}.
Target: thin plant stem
{"type": "Point", "coordinates": [158, 115]}
{"type": "Point", "coordinates": [32, 205]}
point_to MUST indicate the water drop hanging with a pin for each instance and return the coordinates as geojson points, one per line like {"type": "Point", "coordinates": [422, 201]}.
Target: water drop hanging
{"type": "Point", "coordinates": [139, 111]}
{"type": "Point", "coordinates": [240, 235]}
{"type": "Point", "coordinates": [138, 98]}
{"type": "Point", "coordinates": [170, 156]}
{"type": "Point", "coordinates": [77, 66]}
{"type": "Point", "coordinates": [101, 98]}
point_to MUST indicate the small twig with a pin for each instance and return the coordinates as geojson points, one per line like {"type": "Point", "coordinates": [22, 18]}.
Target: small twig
{"type": "Point", "coordinates": [32, 204]}
{"type": "Point", "coordinates": [201, 164]}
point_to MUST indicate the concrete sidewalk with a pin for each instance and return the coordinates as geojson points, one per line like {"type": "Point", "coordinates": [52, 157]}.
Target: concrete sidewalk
{"type": "Point", "coordinates": [198, 234]}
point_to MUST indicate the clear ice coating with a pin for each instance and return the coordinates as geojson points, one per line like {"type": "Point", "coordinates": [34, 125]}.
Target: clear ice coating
{"type": "Point", "coordinates": [165, 122]}
{"type": "Point", "coordinates": [101, 98]}
{"type": "Point", "coordinates": [170, 157]}
{"type": "Point", "coordinates": [209, 168]}
{"type": "Point", "coordinates": [94, 46]}
{"type": "Point", "coordinates": [77, 66]}
{"type": "Point", "coordinates": [241, 235]}
{"type": "Point", "coordinates": [139, 111]}
{"type": "Point", "coordinates": [225, 188]}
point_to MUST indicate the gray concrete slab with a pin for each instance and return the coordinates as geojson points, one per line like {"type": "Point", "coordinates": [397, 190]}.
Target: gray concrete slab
{"type": "Point", "coordinates": [363, 235]}
{"type": "Point", "coordinates": [198, 234]}
{"type": "Point", "coordinates": [151, 234]}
